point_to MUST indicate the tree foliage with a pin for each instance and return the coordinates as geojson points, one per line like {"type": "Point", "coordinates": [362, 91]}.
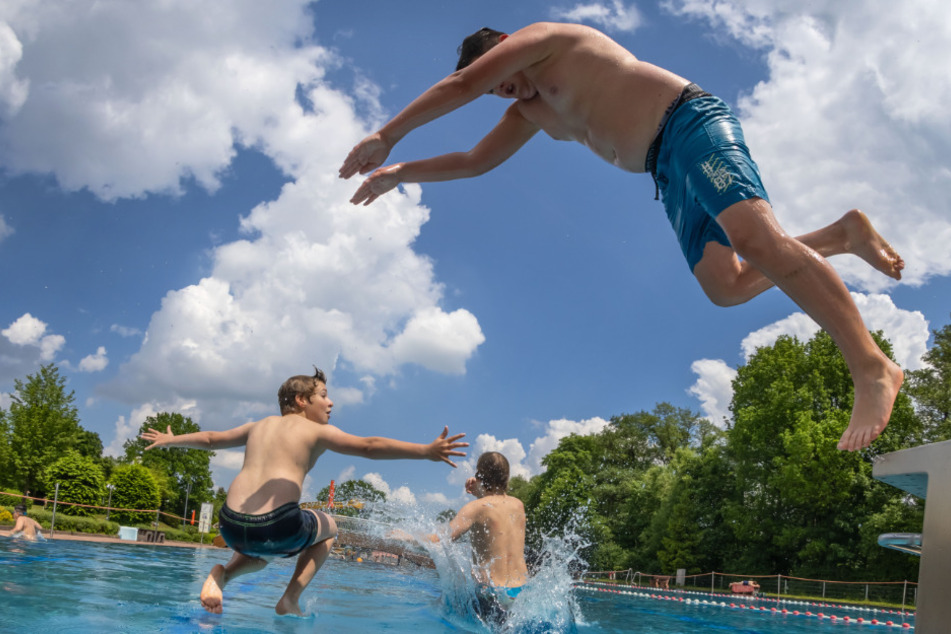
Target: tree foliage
{"type": "Point", "coordinates": [771, 493]}
{"type": "Point", "coordinates": [180, 472]}
{"type": "Point", "coordinates": [44, 424]}
{"type": "Point", "coordinates": [135, 488]}
{"type": "Point", "coordinates": [80, 481]}
{"type": "Point", "coordinates": [931, 388]}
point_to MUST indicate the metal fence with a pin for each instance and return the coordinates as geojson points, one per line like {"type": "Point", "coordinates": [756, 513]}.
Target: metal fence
{"type": "Point", "coordinates": [904, 593]}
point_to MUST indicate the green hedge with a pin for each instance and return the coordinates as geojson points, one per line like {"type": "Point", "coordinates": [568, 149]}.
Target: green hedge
{"type": "Point", "coordinates": [14, 499]}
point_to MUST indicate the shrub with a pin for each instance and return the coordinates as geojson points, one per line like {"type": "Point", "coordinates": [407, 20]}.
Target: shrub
{"type": "Point", "coordinates": [135, 489]}
{"type": "Point", "coordinates": [14, 498]}
{"type": "Point", "coordinates": [80, 481]}
{"type": "Point", "coordinates": [6, 517]}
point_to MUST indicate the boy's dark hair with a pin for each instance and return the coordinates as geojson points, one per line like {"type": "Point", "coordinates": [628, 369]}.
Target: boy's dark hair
{"type": "Point", "coordinates": [475, 45]}
{"type": "Point", "coordinates": [20, 508]}
{"type": "Point", "coordinates": [492, 471]}
{"type": "Point", "coordinates": [302, 385]}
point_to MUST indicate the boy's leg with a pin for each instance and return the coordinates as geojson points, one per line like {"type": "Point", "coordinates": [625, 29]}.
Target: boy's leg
{"type": "Point", "coordinates": [728, 281]}
{"type": "Point", "coordinates": [810, 281]}
{"type": "Point", "coordinates": [308, 563]}
{"type": "Point", "coordinates": [211, 591]}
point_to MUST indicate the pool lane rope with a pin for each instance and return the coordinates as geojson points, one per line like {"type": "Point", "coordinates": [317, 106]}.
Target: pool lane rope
{"type": "Point", "coordinates": [679, 596]}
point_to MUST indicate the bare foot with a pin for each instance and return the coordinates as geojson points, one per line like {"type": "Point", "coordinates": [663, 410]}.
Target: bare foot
{"type": "Point", "coordinates": [288, 606]}
{"type": "Point", "coordinates": [872, 409]}
{"type": "Point", "coordinates": [864, 241]}
{"type": "Point", "coordinates": [211, 596]}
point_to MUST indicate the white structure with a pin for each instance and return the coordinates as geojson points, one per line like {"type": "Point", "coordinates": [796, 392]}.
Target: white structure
{"type": "Point", "coordinates": [926, 473]}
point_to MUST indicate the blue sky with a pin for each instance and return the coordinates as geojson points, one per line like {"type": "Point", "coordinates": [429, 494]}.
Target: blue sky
{"type": "Point", "coordinates": [173, 234]}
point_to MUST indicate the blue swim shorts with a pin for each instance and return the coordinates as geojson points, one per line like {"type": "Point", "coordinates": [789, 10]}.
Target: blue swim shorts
{"type": "Point", "coordinates": [494, 602]}
{"type": "Point", "coordinates": [283, 532]}
{"type": "Point", "coordinates": [702, 167]}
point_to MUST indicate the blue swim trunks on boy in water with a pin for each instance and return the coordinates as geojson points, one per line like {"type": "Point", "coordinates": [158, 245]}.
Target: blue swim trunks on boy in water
{"type": "Point", "coordinates": [495, 601]}
{"type": "Point", "coordinates": [701, 165]}
{"type": "Point", "coordinates": [285, 531]}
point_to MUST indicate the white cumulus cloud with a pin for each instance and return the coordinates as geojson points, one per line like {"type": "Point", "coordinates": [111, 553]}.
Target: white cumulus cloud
{"type": "Point", "coordinates": [94, 362]}
{"type": "Point", "coordinates": [164, 98]}
{"type": "Point", "coordinates": [714, 389]}
{"type": "Point", "coordinates": [613, 16]}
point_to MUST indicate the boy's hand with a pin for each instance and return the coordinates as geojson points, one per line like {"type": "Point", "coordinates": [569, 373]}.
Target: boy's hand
{"type": "Point", "coordinates": [377, 184]}
{"type": "Point", "coordinates": [441, 448]}
{"type": "Point", "coordinates": [366, 156]}
{"type": "Point", "coordinates": [473, 486]}
{"type": "Point", "coordinates": [157, 438]}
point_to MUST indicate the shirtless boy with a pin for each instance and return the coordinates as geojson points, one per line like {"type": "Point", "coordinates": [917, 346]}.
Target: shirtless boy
{"type": "Point", "coordinates": [495, 523]}
{"type": "Point", "coordinates": [576, 84]}
{"type": "Point", "coordinates": [261, 518]}
{"type": "Point", "coordinates": [25, 526]}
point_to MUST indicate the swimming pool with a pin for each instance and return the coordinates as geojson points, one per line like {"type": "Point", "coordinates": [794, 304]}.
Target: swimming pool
{"type": "Point", "coordinates": [67, 586]}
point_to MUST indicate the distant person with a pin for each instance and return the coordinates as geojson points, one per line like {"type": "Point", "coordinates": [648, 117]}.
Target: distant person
{"type": "Point", "coordinates": [495, 523]}
{"type": "Point", "coordinates": [576, 84]}
{"type": "Point", "coordinates": [261, 517]}
{"type": "Point", "coordinates": [25, 526]}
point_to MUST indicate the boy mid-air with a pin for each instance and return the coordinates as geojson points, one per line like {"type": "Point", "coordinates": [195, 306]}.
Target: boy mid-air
{"type": "Point", "coordinates": [261, 518]}
{"type": "Point", "coordinates": [576, 84]}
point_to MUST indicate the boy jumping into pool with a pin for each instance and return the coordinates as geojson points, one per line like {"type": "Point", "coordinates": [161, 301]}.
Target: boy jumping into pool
{"type": "Point", "coordinates": [261, 517]}
{"type": "Point", "coordinates": [495, 523]}
{"type": "Point", "coordinates": [576, 84]}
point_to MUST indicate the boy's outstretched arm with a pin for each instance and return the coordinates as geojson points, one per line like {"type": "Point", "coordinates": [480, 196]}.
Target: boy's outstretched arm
{"type": "Point", "coordinates": [235, 437]}
{"type": "Point", "coordinates": [379, 448]}
{"type": "Point", "coordinates": [519, 51]}
{"type": "Point", "coordinates": [506, 138]}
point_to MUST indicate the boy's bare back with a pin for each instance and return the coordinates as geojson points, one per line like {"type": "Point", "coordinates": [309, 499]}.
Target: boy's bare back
{"type": "Point", "coordinates": [280, 451]}
{"type": "Point", "coordinates": [497, 535]}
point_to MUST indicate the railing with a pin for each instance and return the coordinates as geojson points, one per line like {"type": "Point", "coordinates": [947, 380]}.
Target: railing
{"type": "Point", "coordinates": [903, 593]}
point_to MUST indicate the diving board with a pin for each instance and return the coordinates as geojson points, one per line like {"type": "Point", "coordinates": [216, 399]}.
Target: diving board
{"type": "Point", "coordinates": [925, 472]}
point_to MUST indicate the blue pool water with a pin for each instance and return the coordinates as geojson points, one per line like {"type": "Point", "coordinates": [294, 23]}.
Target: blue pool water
{"type": "Point", "coordinates": [67, 586]}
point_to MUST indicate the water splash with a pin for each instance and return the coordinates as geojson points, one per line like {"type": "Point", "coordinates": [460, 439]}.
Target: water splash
{"type": "Point", "coordinates": [547, 603]}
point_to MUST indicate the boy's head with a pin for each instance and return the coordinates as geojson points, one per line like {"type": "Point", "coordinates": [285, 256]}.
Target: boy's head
{"type": "Point", "coordinates": [492, 471]}
{"type": "Point", "coordinates": [300, 385]}
{"type": "Point", "coordinates": [475, 45]}
{"type": "Point", "coordinates": [19, 509]}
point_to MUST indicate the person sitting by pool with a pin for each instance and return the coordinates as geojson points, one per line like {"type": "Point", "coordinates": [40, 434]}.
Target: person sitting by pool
{"type": "Point", "coordinates": [495, 523]}
{"type": "Point", "coordinates": [261, 517]}
{"type": "Point", "coordinates": [25, 526]}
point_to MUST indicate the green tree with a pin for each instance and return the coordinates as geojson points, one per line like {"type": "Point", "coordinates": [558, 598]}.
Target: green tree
{"type": "Point", "coordinates": [43, 426]}
{"type": "Point", "coordinates": [931, 388]}
{"type": "Point", "coordinates": [135, 488]}
{"type": "Point", "coordinates": [80, 481]}
{"type": "Point", "coordinates": [187, 472]}
{"type": "Point", "coordinates": [803, 501]}
{"type": "Point", "coordinates": [6, 455]}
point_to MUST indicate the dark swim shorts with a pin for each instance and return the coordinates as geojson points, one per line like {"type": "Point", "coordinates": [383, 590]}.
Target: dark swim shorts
{"type": "Point", "coordinates": [701, 165]}
{"type": "Point", "coordinates": [285, 531]}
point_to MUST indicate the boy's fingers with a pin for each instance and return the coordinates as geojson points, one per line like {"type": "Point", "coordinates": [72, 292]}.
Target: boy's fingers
{"type": "Point", "coordinates": [456, 437]}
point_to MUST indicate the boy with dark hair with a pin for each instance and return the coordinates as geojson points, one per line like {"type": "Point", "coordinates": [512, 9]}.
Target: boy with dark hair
{"type": "Point", "coordinates": [261, 517]}
{"type": "Point", "coordinates": [24, 525]}
{"type": "Point", "coordinates": [495, 523]}
{"type": "Point", "coordinates": [576, 84]}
